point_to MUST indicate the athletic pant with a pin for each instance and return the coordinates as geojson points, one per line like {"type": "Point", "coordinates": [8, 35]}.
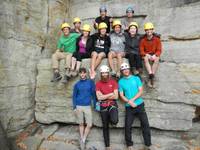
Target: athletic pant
{"type": "Point", "coordinates": [139, 112]}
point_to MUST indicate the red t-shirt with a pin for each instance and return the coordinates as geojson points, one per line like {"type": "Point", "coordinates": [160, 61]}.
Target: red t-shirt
{"type": "Point", "coordinates": [106, 87]}
{"type": "Point", "coordinates": [152, 46]}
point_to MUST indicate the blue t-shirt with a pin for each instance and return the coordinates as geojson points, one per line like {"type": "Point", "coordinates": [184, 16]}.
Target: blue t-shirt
{"type": "Point", "coordinates": [84, 93]}
{"type": "Point", "coordinates": [130, 87]}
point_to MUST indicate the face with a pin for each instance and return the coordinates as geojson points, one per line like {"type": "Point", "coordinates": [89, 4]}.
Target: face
{"type": "Point", "coordinates": [129, 14]}
{"type": "Point", "coordinates": [66, 31]}
{"type": "Point", "coordinates": [117, 29]}
{"type": "Point", "coordinates": [77, 25]}
{"type": "Point", "coordinates": [103, 14]}
{"type": "Point", "coordinates": [85, 33]}
{"type": "Point", "coordinates": [149, 32]}
{"type": "Point", "coordinates": [126, 72]}
{"type": "Point", "coordinates": [133, 30]}
{"type": "Point", "coordinates": [82, 75]}
{"type": "Point", "coordinates": [103, 31]}
{"type": "Point", "coordinates": [104, 75]}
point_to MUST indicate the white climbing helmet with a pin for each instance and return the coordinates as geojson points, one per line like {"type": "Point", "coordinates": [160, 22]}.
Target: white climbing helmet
{"type": "Point", "coordinates": [104, 68]}
{"type": "Point", "coordinates": [124, 66]}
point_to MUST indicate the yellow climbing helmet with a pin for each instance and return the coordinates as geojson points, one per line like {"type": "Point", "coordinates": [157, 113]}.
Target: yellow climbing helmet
{"type": "Point", "coordinates": [76, 19]}
{"type": "Point", "coordinates": [102, 25]}
{"type": "Point", "coordinates": [148, 26]}
{"type": "Point", "coordinates": [133, 24]}
{"type": "Point", "coordinates": [65, 25]}
{"type": "Point", "coordinates": [116, 22]}
{"type": "Point", "coordinates": [86, 27]}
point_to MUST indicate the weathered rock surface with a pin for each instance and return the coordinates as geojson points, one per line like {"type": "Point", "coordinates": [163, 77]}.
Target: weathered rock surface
{"type": "Point", "coordinates": [28, 34]}
{"type": "Point", "coordinates": [168, 107]}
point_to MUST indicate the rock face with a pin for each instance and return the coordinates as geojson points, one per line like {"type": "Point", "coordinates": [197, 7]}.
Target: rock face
{"type": "Point", "coordinates": [28, 34]}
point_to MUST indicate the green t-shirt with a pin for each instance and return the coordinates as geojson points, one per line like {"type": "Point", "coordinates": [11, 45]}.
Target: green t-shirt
{"type": "Point", "coordinates": [68, 43]}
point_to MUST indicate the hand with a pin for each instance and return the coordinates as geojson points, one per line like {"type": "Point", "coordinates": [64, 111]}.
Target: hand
{"type": "Point", "coordinates": [92, 74]}
{"type": "Point", "coordinates": [111, 20]}
{"type": "Point", "coordinates": [132, 104]}
{"type": "Point", "coordinates": [153, 57]}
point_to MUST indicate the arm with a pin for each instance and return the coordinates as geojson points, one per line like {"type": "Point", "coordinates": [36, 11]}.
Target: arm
{"type": "Point", "coordinates": [122, 97]}
{"type": "Point", "coordinates": [93, 93]}
{"type": "Point", "coordinates": [102, 97]}
{"type": "Point", "coordinates": [142, 53]}
{"type": "Point", "coordinates": [115, 95]}
{"type": "Point", "coordinates": [139, 94]}
{"type": "Point", "coordinates": [158, 48]}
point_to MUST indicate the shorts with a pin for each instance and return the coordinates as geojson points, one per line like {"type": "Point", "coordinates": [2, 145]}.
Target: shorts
{"type": "Point", "coordinates": [84, 114]}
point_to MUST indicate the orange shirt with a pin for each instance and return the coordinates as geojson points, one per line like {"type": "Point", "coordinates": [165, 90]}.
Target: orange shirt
{"type": "Point", "coordinates": [152, 46]}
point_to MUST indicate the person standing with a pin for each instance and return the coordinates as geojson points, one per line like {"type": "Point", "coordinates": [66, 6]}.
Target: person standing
{"type": "Point", "coordinates": [128, 19]}
{"type": "Point", "coordinates": [107, 93]}
{"type": "Point", "coordinates": [83, 95]}
{"type": "Point", "coordinates": [130, 91]}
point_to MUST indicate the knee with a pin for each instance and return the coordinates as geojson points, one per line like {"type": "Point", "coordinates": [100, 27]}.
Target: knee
{"type": "Point", "coordinates": [110, 55]}
{"type": "Point", "coordinates": [89, 126]}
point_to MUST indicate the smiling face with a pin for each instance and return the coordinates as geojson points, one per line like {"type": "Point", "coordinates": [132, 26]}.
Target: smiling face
{"type": "Point", "coordinates": [77, 25]}
{"type": "Point", "coordinates": [104, 75]}
{"type": "Point", "coordinates": [103, 14]}
{"type": "Point", "coordinates": [85, 33]}
{"type": "Point", "coordinates": [149, 32]}
{"type": "Point", "coordinates": [117, 29]}
{"type": "Point", "coordinates": [126, 72]}
{"type": "Point", "coordinates": [66, 31]}
{"type": "Point", "coordinates": [103, 31]}
{"type": "Point", "coordinates": [83, 75]}
{"type": "Point", "coordinates": [132, 30]}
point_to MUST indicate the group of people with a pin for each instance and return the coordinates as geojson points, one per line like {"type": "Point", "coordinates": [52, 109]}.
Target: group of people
{"type": "Point", "coordinates": [122, 41]}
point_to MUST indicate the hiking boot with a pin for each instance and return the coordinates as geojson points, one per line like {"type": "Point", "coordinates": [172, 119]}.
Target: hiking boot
{"type": "Point", "coordinates": [149, 84]}
{"type": "Point", "coordinates": [65, 79]}
{"type": "Point", "coordinates": [56, 77]}
{"type": "Point", "coordinates": [113, 73]}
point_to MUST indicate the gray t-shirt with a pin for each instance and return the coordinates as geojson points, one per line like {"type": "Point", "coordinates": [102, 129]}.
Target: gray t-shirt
{"type": "Point", "coordinates": [126, 22]}
{"type": "Point", "coordinates": [117, 42]}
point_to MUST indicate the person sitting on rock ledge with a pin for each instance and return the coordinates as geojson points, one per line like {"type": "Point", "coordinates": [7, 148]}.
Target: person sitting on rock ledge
{"type": "Point", "coordinates": [100, 47]}
{"type": "Point", "coordinates": [83, 94]}
{"type": "Point", "coordinates": [83, 49]}
{"type": "Point", "coordinates": [66, 46]}
{"type": "Point", "coordinates": [77, 26]}
{"type": "Point", "coordinates": [150, 50]}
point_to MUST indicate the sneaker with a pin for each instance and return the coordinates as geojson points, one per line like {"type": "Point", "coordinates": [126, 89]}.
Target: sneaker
{"type": "Point", "coordinates": [56, 77]}
{"type": "Point", "coordinates": [65, 80]}
{"type": "Point", "coordinates": [113, 73]}
{"type": "Point", "coordinates": [82, 144]}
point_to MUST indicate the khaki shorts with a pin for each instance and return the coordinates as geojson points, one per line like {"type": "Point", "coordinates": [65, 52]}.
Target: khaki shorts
{"type": "Point", "coordinates": [84, 113]}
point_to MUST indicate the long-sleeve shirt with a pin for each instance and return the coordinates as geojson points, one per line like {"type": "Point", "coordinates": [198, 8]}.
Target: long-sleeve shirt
{"type": "Point", "coordinates": [84, 93]}
{"type": "Point", "coordinates": [132, 44]}
{"type": "Point", "coordinates": [152, 46]}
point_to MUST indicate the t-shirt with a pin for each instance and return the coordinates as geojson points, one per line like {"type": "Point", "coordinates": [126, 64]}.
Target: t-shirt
{"type": "Point", "coordinates": [82, 46]}
{"type": "Point", "coordinates": [106, 20]}
{"type": "Point", "coordinates": [101, 44]}
{"type": "Point", "coordinates": [117, 42]}
{"type": "Point", "coordinates": [130, 87]}
{"type": "Point", "coordinates": [68, 43]}
{"type": "Point", "coordinates": [107, 87]}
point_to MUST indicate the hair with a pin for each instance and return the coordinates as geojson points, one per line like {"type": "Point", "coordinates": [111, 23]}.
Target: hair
{"type": "Point", "coordinates": [82, 69]}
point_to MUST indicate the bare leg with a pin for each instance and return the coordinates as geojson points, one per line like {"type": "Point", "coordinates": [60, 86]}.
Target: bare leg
{"type": "Point", "coordinates": [87, 131]}
{"type": "Point", "coordinates": [93, 60]}
{"type": "Point", "coordinates": [78, 64]}
{"type": "Point", "coordinates": [155, 65]}
{"type": "Point", "coordinates": [81, 130]}
{"type": "Point", "coordinates": [147, 65]}
{"type": "Point", "coordinates": [99, 59]}
{"type": "Point", "coordinates": [73, 63]}
{"type": "Point", "coordinates": [111, 55]}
